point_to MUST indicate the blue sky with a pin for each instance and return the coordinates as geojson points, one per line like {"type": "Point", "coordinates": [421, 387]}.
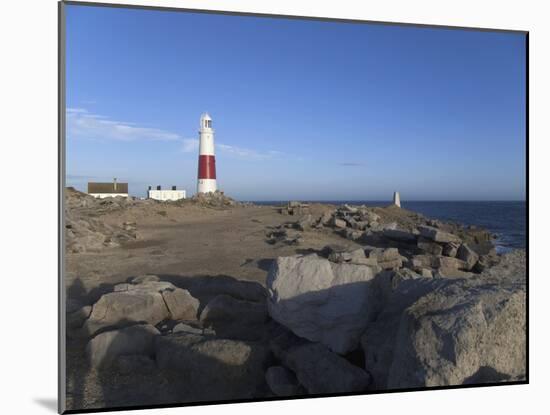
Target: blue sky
{"type": "Point", "coordinates": [302, 109]}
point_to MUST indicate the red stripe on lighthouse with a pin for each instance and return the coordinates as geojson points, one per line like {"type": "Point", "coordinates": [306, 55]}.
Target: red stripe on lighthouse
{"type": "Point", "coordinates": [207, 167]}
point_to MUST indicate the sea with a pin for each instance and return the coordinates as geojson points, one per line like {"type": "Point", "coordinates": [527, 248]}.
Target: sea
{"type": "Point", "coordinates": [507, 220]}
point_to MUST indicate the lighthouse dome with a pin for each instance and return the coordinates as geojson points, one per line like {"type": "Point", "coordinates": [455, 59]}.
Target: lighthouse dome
{"type": "Point", "coordinates": [206, 121]}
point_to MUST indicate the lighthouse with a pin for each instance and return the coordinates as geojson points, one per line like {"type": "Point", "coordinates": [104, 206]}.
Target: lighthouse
{"type": "Point", "coordinates": [207, 160]}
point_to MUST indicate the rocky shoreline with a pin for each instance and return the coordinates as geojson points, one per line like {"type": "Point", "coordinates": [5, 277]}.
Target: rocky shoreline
{"type": "Point", "coordinates": [403, 301]}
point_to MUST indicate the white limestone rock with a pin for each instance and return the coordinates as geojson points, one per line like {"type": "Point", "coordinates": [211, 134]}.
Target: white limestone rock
{"type": "Point", "coordinates": [437, 235]}
{"type": "Point", "coordinates": [339, 223]}
{"type": "Point", "coordinates": [320, 301]}
{"type": "Point", "coordinates": [181, 304]}
{"type": "Point", "coordinates": [468, 255]}
{"type": "Point", "coordinates": [439, 332]}
{"type": "Point", "coordinates": [461, 334]}
{"type": "Point", "coordinates": [122, 308]}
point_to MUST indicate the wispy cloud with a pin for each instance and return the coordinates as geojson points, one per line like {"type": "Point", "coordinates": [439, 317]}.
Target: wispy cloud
{"type": "Point", "coordinates": [351, 164]}
{"type": "Point", "coordinates": [190, 145]}
{"type": "Point", "coordinates": [82, 123]}
{"type": "Point", "coordinates": [248, 153]}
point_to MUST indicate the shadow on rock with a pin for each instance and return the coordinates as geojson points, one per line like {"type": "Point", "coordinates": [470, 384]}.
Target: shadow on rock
{"type": "Point", "coordinates": [264, 263]}
{"type": "Point", "coordinates": [211, 368]}
{"type": "Point", "coordinates": [206, 287]}
{"type": "Point", "coordinates": [78, 296]}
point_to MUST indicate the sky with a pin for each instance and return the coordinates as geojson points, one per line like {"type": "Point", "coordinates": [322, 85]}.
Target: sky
{"type": "Point", "coordinates": [302, 109]}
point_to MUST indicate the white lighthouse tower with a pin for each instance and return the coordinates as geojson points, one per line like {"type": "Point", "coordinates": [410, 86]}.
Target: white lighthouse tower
{"type": "Point", "coordinates": [207, 159]}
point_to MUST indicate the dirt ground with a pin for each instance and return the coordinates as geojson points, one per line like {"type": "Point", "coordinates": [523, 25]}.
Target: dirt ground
{"type": "Point", "coordinates": [189, 241]}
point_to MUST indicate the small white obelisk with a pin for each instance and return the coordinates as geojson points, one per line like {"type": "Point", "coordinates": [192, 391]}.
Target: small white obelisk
{"type": "Point", "coordinates": [396, 199]}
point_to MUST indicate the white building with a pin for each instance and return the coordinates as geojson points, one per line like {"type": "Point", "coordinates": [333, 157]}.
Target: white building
{"type": "Point", "coordinates": [163, 195]}
{"type": "Point", "coordinates": [103, 190]}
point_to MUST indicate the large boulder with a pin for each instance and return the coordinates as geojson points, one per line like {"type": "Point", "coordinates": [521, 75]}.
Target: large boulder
{"type": "Point", "coordinates": [217, 368]}
{"type": "Point", "coordinates": [181, 304]}
{"type": "Point", "coordinates": [438, 332]}
{"type": "Point", "coordinates": [387, 258]}
{"type": "Point", "coordinates": [317, 368]}
{"type": "Point", "coordinates": [138, 303]}
{"type": "Point", "coordinates": [451, 249]}
{"type": "Point", "coordinates": [437, 235]}
{"type": "Point", "coordinates": [468, 255]}
{"type": "Point", "coordinates": [106, 347]}
{"type": "Point", "coordinates": [319, 300]}
{"type": "Point", "coordinates": [126, 307]}
{"type": "Point", "coordinates": [378, 341]}
{"type": "Point", "coordinates": [461, 334]}
{"type": "Point", "coordinates": [508, 268]}
{"type": "Point", "coordinates": [429, 247]}
{"type": "Point", "coordinates": [339, 223]}
{"type": "Point", "coordinates": [400, 235]}
{"type": "Point", "coordinates": [448, 263]}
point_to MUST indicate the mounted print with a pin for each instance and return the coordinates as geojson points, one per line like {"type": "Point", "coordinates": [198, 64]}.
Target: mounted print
{"type": "Point", "coordinates": [259, 207]}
